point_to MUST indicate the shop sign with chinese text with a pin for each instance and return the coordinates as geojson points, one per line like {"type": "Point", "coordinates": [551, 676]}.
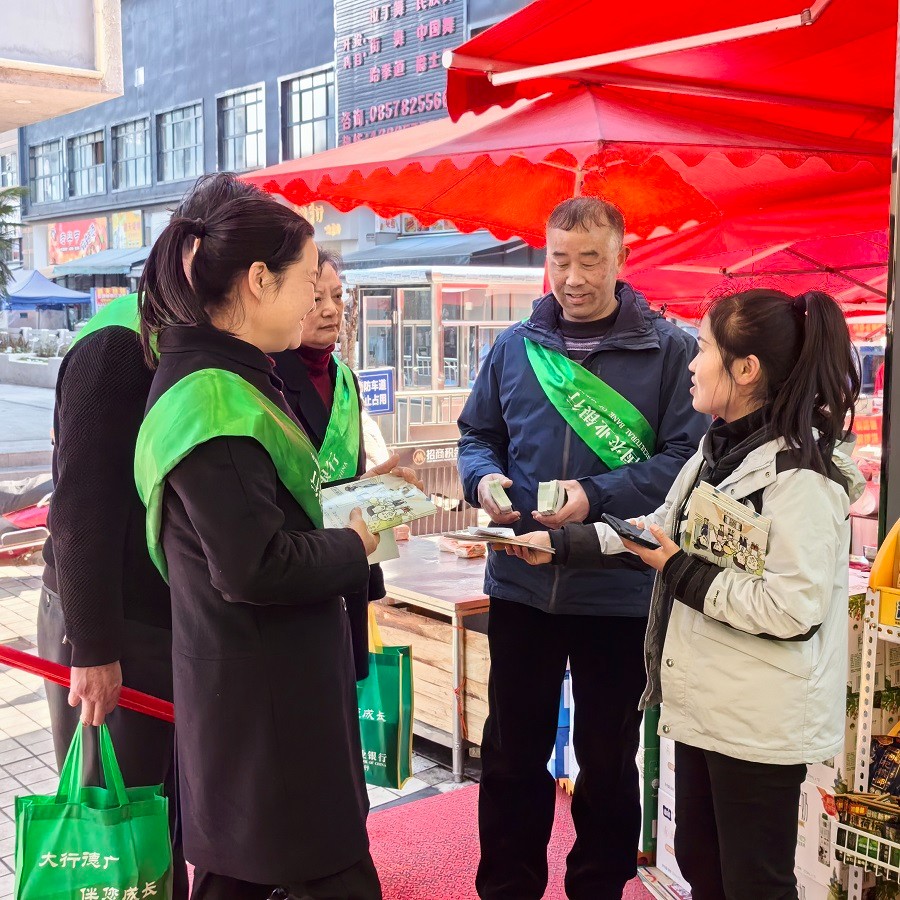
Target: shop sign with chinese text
{"type": "Point", "coordinates": [388, 60]}
{"type": "Point", "coordinates": [74, 240]}
{"type": "Point", "coordinates": [127, 230]}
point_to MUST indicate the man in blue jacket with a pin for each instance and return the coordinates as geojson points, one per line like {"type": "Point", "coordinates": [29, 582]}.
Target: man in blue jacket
{"type": "Point", "coordinates": [592, 390]}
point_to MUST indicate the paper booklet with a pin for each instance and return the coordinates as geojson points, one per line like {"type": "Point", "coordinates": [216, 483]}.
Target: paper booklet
{"type": "Point", "coordinates": [385, 502]}
{"type": "Point", "coordinates": [724, 531]}
{"type": "Point", "coordinates": [493, 535]}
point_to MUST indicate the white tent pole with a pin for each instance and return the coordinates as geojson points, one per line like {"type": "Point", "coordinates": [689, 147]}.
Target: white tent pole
{"type": "Point", "coordinates": [526, 73]}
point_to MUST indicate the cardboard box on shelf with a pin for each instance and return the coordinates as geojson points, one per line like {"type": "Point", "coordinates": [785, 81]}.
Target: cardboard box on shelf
{"type": "Point", "coordinates": [892, 665]}
{"type": "Point", "coordinates": [810, 889]}
{"type": "Point", "coordinates": [815, 855]}
{"type": "Point", "coordinates": [667, 765]}
{"type": "Point", "coordinates": [890, 719]}
{"type": "Point", "coordinates": [852, 730]}
{"type": "Point", "coordinates": [829, 775]}
{"type": "Point", "coordinates": [665, 839]}
{"type": "Point", "coordinates": [855, 649]}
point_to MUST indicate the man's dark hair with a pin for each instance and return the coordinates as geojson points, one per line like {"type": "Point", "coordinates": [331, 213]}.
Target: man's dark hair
{"type": "Point", "coordinates": [581, 213]}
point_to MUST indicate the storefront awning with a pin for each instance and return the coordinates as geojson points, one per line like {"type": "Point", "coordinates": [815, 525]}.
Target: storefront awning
{"type": "Point", "coordinates": [433, 249]}
{"type": "Point", "coordinates": [106, 262]}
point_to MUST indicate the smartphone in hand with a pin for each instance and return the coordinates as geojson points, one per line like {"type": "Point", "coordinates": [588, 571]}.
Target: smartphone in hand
{"type": "Point", "coordinates": [629, 532]}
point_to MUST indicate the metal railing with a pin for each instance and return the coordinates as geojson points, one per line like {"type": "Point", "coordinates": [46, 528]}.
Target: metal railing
{"type": "Point", "coordinates": [423, 430]}
{"type": "Point", "coordinates": [422, 416]}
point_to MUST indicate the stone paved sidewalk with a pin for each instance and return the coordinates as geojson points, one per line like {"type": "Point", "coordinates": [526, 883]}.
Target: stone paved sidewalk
{"type": "Point", "coordinates": [27, 761]}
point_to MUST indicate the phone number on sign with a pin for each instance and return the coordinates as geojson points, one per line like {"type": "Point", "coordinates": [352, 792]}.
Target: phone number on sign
{"type": "Point", "coordinates": [409, 106]}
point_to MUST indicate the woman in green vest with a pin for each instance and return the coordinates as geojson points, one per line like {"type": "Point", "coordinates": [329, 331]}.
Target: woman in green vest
{"type": "Point", "coordinates": [324, 395]}
{"type": "Point", "coordinates": [269, 757]}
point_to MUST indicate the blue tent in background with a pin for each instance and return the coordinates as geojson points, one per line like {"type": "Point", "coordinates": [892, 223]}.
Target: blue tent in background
{"type": "Point", "coordinates": [30, 290]}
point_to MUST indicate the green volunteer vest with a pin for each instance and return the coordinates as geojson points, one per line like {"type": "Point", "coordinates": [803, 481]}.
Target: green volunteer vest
{"type": "Point", "coordinates": [339, 453]}
{"type": "Point", "coordinates": [123, 311]}
{"type": "Point", "coordinates": [609, 424]}
{"type": "Point", "coordinates": [213, 403]}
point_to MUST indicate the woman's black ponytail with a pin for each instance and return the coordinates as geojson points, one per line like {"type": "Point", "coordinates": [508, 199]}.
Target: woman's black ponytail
{"type": "Point", "coordinates": [810, 368]}
{"type": "Point", "coordinates": [221, 229]}
{"type": "Point", "coordinates": [822, 388]}
{"type": "Point", "coordinates": [165, 295]}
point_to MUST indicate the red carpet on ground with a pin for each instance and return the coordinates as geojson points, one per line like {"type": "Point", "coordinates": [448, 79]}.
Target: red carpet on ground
{"type": "Point", "coordinates": [428, 849]}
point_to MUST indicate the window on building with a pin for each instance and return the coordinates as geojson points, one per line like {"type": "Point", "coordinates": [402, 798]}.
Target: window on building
{"type": "Point", "coordinates": [131, 154]}
{"type": "Point", "coordinates": [9, 170]}
{"type": "Point", "coordinates": [242, 125]}
{"type": "Point", "coordinates": [179, 139]}
{"type": "Point", "coordinates": [45, 164]}
{"type": "Point", "coordinates": [308, 114]}
{"type": "Point", "coordinates": [9, 177]}
{"type": "Point", "coordinates": [87, 164]}
{"type": "Point", "coordinates": [481, 27]}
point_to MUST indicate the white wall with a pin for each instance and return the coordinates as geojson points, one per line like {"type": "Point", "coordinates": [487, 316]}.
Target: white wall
{"type": "Point", "coordinates": [52, 32]}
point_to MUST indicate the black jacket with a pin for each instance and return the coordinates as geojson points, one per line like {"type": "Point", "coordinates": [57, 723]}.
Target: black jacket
{"type": "Point", "coordinates": [96, 556]}
{"type": "Point", "coordinates": [269, 757]}
{"type": "Point", "coordinates": [306, 404]}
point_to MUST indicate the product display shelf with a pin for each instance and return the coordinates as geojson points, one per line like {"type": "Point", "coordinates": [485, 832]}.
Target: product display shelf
{"type": "Point", "coordinates": [870, 852]}
{"type": "Point", "coordinates": [866, 852]}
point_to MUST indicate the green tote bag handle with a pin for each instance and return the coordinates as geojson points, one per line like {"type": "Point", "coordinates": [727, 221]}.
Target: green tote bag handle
{"type": "Point", "coordinates": [71, 779]}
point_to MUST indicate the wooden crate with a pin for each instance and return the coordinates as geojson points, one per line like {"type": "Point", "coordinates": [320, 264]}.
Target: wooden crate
{"type": "Point", "coordinates": [432, 652]}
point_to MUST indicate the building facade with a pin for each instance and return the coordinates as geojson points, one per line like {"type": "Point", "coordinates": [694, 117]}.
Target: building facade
{"type": "Point", "coordinates": [227, 86]}
{"type": "Point", "coordinates": [57, 57]}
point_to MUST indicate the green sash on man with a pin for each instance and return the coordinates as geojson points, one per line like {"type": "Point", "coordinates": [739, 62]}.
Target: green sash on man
{"type": "Point", "coordinates": [610, 425]}
{"type": "Point", "coordinates": [213, 403]}
{"type": "Point", "coordinates": [339, 453]}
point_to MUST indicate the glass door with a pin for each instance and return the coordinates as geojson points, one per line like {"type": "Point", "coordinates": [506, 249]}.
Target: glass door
{"type": "Point", "coordinates": [378, 348]}
{"type": "Point", "coordinates": [416, 335]}
{"type": "Point", "coordinates": [465, 348]}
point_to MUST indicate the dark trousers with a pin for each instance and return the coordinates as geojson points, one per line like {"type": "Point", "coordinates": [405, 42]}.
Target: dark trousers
{"type": "Point", "coordinates": [144, 745]}
{"type": "Point", "coordinates": [736, 826]}
{"type": "Point", "coordinates": [359, 882]}
{"type": "Point", "coordinates": [517, 800]}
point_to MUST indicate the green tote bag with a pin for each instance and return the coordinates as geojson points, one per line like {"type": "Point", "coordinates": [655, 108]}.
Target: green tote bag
{"type": "Point", "coordinates": [385, 702]}
{"type": "Point", "coordinates": [93, 843]}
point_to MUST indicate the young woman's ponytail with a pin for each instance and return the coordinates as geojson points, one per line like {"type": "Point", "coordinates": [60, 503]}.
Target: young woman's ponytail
{"type": "Point", "coordinates": [810, 370]}
{"type": "Point", "coordinates": [821, 390]}
{"type": "Point", "coordinates": [165, 295]}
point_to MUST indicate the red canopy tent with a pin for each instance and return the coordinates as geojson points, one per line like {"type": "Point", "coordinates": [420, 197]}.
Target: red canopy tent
{"type": "Point", "coordinates": [668, 162]}
{"type": "Point", "coordinates": [829, 63]}
{"type": "Point", "coordinates": [852, 268]}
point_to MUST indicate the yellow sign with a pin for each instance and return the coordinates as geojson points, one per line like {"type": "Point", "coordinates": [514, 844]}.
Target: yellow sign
{"type": "Point", "coordinates": [127, 230]}
{"type": "Point", "coordinates": [314, 213]}
{"type": "Point", "coordinates": [105, 295]}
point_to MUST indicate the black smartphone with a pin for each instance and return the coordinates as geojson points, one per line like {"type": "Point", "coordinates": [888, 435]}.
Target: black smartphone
{"type": "Point", "coordinates": [629, 532]}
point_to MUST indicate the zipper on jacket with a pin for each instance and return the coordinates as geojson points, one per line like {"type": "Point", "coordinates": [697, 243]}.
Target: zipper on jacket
{"type": "Point", "coordinates": [567, 444]}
